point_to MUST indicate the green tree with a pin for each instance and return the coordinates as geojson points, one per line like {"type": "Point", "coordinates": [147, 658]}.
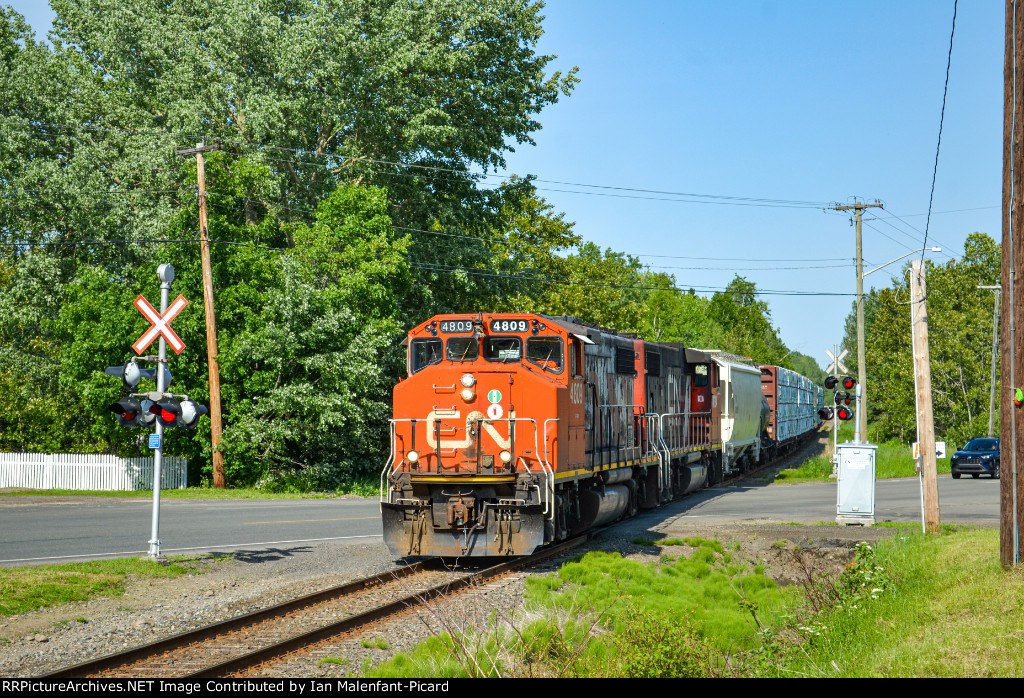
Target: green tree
{"type": "Point", "coordinates": [747, 323]}
{"type": "Point", "coordinates": [960, 347]}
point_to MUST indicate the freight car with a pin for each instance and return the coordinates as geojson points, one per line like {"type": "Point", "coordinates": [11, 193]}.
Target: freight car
{"type": "Point", "coordinates": [515, 430]}
{"type": "Point", "coordinates": [793, 403]}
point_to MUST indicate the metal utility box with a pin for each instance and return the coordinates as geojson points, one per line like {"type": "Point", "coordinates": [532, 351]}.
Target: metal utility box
{"type": "Point", "coordinates": [855, 499]}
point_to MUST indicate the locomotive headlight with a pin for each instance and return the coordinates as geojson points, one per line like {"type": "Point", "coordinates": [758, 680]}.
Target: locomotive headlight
{"type": "Point", "coordinates": [468, 380]}
{"type": "Point", "coordinates": [412, 456]}
{"type": "Point", "coordinates": [468, 394]}
{"type": "Point", "coordinates": [505, 456]}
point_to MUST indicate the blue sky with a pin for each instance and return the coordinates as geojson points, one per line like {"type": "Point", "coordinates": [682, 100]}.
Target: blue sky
{"type": "Point", "coordinates": [791, 101]}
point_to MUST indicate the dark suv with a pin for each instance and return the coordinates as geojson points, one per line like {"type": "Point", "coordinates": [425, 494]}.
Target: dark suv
{"type": "Point", "coordinates": [980, 455]}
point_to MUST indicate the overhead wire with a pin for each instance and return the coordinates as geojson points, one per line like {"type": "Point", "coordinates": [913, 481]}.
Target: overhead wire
{"type": "Point", "coordinates": [942, 118]}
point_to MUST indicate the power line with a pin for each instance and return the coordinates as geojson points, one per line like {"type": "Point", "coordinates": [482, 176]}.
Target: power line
{"type": "Point", "coordinates": [942, 118]}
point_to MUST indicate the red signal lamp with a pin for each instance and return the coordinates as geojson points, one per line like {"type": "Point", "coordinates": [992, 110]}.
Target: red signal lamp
{"type": "Point", "coordinates": [848, 383]}
{"type": "Point", "coordinates": [844, 413]}
{"type": "Point", "coordinates": [167, 411]}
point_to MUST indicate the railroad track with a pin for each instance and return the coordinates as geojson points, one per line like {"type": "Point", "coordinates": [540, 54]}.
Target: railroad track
{"type": "Point", "coordinates": [255, 640]}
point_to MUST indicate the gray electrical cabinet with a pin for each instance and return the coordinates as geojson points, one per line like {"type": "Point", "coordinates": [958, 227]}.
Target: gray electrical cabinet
{"type": "Point", "coordinates": [855, 499]}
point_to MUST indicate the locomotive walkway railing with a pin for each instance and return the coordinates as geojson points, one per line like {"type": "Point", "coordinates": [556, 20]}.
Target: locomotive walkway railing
{"type": "Point", "coordinates": [635, 437]}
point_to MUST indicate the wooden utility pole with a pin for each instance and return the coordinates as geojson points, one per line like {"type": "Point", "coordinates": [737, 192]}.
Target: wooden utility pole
{"type": "Point", "coordinates": [211, 321]}
{"type": "Point", "coordinates": [995, 347]}
{"type": "Point", "coordinates": [923, 385]}
{"type": "Point", "coordinates": [858, 212]}
{"type": "Point", "coordinates": [1011, 488]}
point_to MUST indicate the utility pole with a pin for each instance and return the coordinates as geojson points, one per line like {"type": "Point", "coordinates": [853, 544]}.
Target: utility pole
{"type": "Point", "coordinates": [211, 321]}
{"type": "Point", "coordinates": [923, 386]}
{"type": "Point", "coordinates": [858, 212]}
{"type": "Point", "coordinates": [995, 345]}
{"type": "Point", "coordinates": [1011, 488]}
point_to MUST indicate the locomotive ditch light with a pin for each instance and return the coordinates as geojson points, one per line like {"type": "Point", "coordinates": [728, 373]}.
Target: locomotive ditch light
{"type": "Point", "coordinates": [826, 413]}
{"type": "Point", "coordinates": [844, 413]}
{"type": "Point", "coordinates": [468, 380]}
{"type": "Point", "coordinates": [505, 456]}
{"type": "Point", "coordinates": [412, 456]}
{"type": "Point", "coordinates": [849, 382]}
{"type": "Point", "coordinates": [831, 382]}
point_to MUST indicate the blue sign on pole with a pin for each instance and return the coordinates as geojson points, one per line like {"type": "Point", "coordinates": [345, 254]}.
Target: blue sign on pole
{"type": "Point", "coordinates": [154, 441]}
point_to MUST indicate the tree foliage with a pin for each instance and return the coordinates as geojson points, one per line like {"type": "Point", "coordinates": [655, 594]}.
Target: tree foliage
{"type": "Point", "coordinates": [960, 348]}
{"type": "Point", "coordinates": [346, 204]}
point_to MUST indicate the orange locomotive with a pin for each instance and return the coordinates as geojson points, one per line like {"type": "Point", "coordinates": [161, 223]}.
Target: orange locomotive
{"type": "Point", "coordinates": [515, 430]}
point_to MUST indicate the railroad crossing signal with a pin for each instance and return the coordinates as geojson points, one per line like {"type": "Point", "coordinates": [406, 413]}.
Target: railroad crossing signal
{"type": "Point", "coordinates": [837, 365]}
{"type": "Point", "coordinates": [160, 324]}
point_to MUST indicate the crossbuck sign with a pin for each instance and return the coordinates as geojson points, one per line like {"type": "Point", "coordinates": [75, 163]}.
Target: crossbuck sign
{"type": "Point", "coordinates": [161, 324]}
{"type": "Point", "coordinates": [837, 365]}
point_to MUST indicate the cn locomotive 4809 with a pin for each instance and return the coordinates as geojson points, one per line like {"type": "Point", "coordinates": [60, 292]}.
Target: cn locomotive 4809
{"type": "Point", "coordinates": [515, 430]}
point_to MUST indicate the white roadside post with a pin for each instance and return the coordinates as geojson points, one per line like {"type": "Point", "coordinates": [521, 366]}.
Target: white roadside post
{"type": "Point", "coordinates": [166, 274]}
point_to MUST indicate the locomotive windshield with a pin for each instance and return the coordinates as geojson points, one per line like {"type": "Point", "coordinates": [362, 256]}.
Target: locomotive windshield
{"type": "Point", "coordinates": [424, 353]}
{"type": "Point", "coordinates": [463, 349]}
{"type": "Point", "coordinates": [503, 349]}
{"type": "Point", "coordinates": [546, 352]}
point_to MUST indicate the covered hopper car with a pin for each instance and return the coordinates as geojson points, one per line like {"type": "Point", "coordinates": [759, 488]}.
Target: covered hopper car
{"type": "Point", "coordinates": [515, 430]}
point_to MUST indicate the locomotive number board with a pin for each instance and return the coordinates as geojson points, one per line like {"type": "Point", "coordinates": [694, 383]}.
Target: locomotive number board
{"type": "Point", "coordinates": [456, 326]}
{"type": "Point", "coordinates": [509, 325]}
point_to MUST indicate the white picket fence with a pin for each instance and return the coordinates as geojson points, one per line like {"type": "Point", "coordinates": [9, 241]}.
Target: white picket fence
{"type": "Point", "coordinates": [73, 471]}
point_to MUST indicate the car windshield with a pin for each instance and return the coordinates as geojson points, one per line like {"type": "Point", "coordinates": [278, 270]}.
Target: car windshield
{"type": "Point", "coordinates": [982, 445]}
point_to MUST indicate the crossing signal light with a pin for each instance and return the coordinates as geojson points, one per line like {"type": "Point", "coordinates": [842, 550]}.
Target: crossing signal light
{"type": "Point", "coordinates": [843, 398]}
{"type": "Point", "coordinates": [128, 411]}
{"type": "Point", "coordinates": [848, 383]}
{"type": "Point", "coordinates": [831, 382]}
{"type": "Point", "coordinates": [844, 413]}
{"type": "Point", "coordinates": [167, 410]}
{"type": "Point", "coordinates": [826, 413]}
{"type": "Point", "coordinates": [191, 411]}
{"type": "Point", "coordinates": [131, 374]}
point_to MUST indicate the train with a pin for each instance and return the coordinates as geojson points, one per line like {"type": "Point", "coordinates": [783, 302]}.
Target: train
{"type": "Point", "coordinates": [512, 431]}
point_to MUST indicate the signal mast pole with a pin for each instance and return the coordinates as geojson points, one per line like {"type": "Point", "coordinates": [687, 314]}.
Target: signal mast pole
{"type": "Point", "coordinates": [858, 212]}
{"type": "Point", "coordinates": [211, 321]}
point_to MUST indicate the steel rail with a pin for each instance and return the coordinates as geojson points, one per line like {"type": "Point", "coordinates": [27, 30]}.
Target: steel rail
{"type": "Point", "coordinates": [298, 642]}
{"type": "Point", "coordinates": [135, 654]}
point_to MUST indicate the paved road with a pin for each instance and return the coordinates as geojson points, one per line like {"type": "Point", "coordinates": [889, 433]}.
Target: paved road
{"type": "Point", "coordinates": [973, 502]}
{"type": "Point", "coordinates": [47, 529]}
{"type": "Point", "coordinates": [50, 529]}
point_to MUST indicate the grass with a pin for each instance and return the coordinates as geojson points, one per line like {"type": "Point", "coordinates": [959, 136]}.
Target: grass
{"type": "Point", "coordinates": [24, 589]}
{"type": "Point", "coordinates": [892, 459]}
{"type": "Point", "coordinates": [605, 616]}
{"type": "Point", "coordinates": [951, 611]}
{"type": "Point", "coordinates": [913, 606]}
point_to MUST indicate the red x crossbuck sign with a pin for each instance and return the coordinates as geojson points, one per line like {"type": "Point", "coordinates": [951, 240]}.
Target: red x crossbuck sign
{"type": "Point", "coordinates": [161, 324]}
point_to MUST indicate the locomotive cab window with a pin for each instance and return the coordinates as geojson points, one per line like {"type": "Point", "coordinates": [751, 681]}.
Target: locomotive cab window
{"type": "Point", "coordinates": [463, 349]}
{"type": "Point", "coordinates": [503, 349]}
{"type": "Point", "coordinates": [546, 352]}
{"type": "Point", "coordinates": [700, 375]}
{"type": "Point", "coordinates": [423, 353]}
